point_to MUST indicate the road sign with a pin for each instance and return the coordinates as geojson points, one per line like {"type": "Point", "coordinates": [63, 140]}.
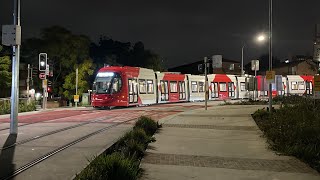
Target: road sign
{"type": "Point", "coordinates": [42, 75]}
{"type": "Point", "coordinates": [44, 83]}
{"type": "Point", "coordinates": [317, 87]}
{"type": "Point", "coordinates": [255, 65]}
{"type": "Point", "coordinates": [47, 70]}
{"type": "Point", "coordinates": [11, 35]}
{"type": "Point", "coordinates": [270, 76]}
{"type": "Point", "coordinates": [76, 98]}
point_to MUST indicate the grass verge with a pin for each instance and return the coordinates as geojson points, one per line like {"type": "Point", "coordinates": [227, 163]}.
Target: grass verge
{"type": "Point", "coordinates": [294, 129]}
{"type": "Point", "coordinates": [122, 160]}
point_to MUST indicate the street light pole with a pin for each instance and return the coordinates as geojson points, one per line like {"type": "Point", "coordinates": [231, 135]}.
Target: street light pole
{"type": "Point", "coordinates": [15, 74]}
{"type": "Point", "coordinates": [242, 71]}
{"type": "Point", "coordinates": [270, 53]}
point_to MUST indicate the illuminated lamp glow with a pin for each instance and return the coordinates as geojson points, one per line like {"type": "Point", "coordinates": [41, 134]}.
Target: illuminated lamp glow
{"type": "Point", "coordinates": [105, 74]}
{"type": "Point", "coordinates": [42, 63]}
{"type": "Point", "coordinates": [38, 95]}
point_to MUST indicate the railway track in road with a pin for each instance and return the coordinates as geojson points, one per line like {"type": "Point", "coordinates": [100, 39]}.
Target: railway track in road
{"type": "Point", "coordinates": [54, 132]}
{"type": "Point", "coordinates": [39, 121]}
{"type": "Point", "coordinates": [59, 149]}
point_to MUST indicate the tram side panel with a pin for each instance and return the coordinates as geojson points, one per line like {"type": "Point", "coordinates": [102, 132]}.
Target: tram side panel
{"type": "Point", "coordinates": [172, 87]}
{"type": "Point", "coordinates": [147, 87]}
{"type": "Point", "coordinates": [196, 87]}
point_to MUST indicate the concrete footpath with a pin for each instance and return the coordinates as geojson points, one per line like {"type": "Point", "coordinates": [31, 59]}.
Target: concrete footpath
{"type": "Point", "coordinates": [222, 143]}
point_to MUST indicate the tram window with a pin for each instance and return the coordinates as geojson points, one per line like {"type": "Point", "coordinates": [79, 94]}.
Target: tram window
{"type": "Point", "coordinates": [150, 87]}
{"type": "Point", "coordinates": [294, 85]}
{"type": "Point", "coordinates": [194, 86]}
{"type": "Point", "coordinates": [164, 86]}
{"type": "Point", "coordinates": [173, 87]}
{"type": "Point", "coordinates": [201, 86]}
{"type": "Point", "coordinates": [243, 86]}
{"type": "Point", "coordinates": [130, 87]}
{"type": "Point", "coordinates": [116, 86]}
{"type": "Point", "coordinates": [223, 87]}
{"type": "Point", "coordinates": [301, 85]}
{"type": "Point", "coordinates": [142, 86]}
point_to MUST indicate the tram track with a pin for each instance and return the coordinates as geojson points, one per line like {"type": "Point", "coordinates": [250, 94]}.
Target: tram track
{"type": "Point", "coordinates": [60, 149]}
{"type": "Point", "coordinates": [55, 132]}
{"type": "Point", "coordinates": [35, 122]}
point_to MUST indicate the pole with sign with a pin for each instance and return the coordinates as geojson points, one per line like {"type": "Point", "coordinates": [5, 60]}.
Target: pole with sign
{"type": "Point", "coordinates": [255, 68]}
{"type": "Point", "coordinates": [317, 87]}
{"type": "Point", "coordinates": [206, 82]}
{"type": "Point", "coordinates": [43, 67]}
{"type": "Point", "coordinates": [76, 101]}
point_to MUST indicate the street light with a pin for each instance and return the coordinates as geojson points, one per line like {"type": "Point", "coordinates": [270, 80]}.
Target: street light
{"type": "Point", "coordinates": [270, 53]}
{"type": "Point", "coordinates": [260, 38]}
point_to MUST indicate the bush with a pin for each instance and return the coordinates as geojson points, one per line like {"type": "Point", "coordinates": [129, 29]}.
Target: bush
{"type": "Point", "coordinates": [4, 108]}
{"type": "Point", "coordinates": [123, 163]}
{"type": "Point", "coordinates": [147, 124]}
{"type": "Point", "coordinates": [294, 129]}
{"type": "Point", "coordinates": [134, 143]}
{"type": "Point", "coordinates": [114, 166]}
{"type": "Point", "coordinates": [23, 107]}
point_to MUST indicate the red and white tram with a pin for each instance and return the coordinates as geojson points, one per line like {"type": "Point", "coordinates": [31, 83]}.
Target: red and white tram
{"type": "Point", "coordinates": [134, 86]}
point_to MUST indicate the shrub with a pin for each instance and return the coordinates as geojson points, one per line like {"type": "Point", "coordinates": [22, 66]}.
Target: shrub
{"type": "Point", "coordinates": [4, 108]}
{"type": "Point", "coordinates": [114, 166]}
{"type": "Point", "coordinates": [294, 129]}
{"type": "Point", "coordinates": [134, 143]}
{"type": "Point", "coordinates": [147, 124]}
{"type": "Point", "coordinates": [23, 107]}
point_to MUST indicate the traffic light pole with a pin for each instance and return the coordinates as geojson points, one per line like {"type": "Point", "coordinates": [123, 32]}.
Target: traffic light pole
{"type": "Point", "coordinates": [15, 74]}
{"type": "Point", "coordinates": [206, 83]}
{"type": "Point", "coordinates": [76, 103]}
{"type": "Point", "coordinates": [45, 87]}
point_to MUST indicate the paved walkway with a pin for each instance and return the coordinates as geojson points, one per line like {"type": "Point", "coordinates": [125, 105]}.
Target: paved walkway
{"type": "Point", "coordinates": [222, 143]}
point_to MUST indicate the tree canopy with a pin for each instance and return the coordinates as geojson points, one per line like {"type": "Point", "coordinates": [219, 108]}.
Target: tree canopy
{"type": "Point", "coordinates": [5, 74]}
{"type": "Point", "coordinates": [67, 51]}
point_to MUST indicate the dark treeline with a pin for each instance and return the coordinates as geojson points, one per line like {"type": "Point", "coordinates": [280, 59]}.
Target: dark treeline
{"type": "Point", "coordinates": [67, 51]}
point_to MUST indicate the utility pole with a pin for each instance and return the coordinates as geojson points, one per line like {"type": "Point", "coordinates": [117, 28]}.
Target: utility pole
{"type": "Point", "coordinates": [270, 53]}
{"type": "Point", "coordinates": [242, 71]}
{"type": "Point", "coordinates": [28, 83]}
{"type": "Point", "coordinates": [15, 74]}
{"type": "Point", "coordinates": [206, 82]}
{"type": "Point", "coordinates": [76, 103]}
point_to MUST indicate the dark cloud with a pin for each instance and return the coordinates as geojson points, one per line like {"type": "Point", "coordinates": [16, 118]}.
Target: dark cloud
{"type": "Point", "coordinates": [181, 31]}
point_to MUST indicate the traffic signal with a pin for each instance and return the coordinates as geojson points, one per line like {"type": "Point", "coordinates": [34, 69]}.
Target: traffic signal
{"type": "Point", "coordinates": [43, 61]}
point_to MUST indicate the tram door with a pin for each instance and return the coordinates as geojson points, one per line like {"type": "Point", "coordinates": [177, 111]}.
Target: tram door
{"type": "Point", "coordinates": [133, 91]}
{"type": "Point", "coordinates": [309, 87]}
{"type": "Point", "coordinates": [231, 89]}
{"type": "Point", "coordinates": [214, 92]}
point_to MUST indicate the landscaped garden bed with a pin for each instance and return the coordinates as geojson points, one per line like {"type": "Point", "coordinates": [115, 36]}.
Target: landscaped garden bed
{"type": "Point", "coordinates": [293, 129]}
{"type": "Point", "coordinates": [122, 160]}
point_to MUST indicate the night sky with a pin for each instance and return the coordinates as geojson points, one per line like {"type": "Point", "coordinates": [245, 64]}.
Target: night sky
{"type": "Point", "coordinates": [180, 31]}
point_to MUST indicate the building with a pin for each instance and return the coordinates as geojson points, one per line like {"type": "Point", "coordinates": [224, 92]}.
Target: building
{"type": "Point", "coordinates": [228, 67]}
{"type": "Point", "coordinates": [299, 67]}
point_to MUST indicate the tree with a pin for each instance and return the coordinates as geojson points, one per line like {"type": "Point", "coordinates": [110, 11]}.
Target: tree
{"type": "Point", "coordinates": [5, 74]}
{"type": "Point", "coordinates": [107, 48]}
{"type": "Point", "coordinates": [153, 61]}
{"type": "Point", "coordinates": [65, 50]}
{"type": "Point", "coordinates": [85, 70]}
